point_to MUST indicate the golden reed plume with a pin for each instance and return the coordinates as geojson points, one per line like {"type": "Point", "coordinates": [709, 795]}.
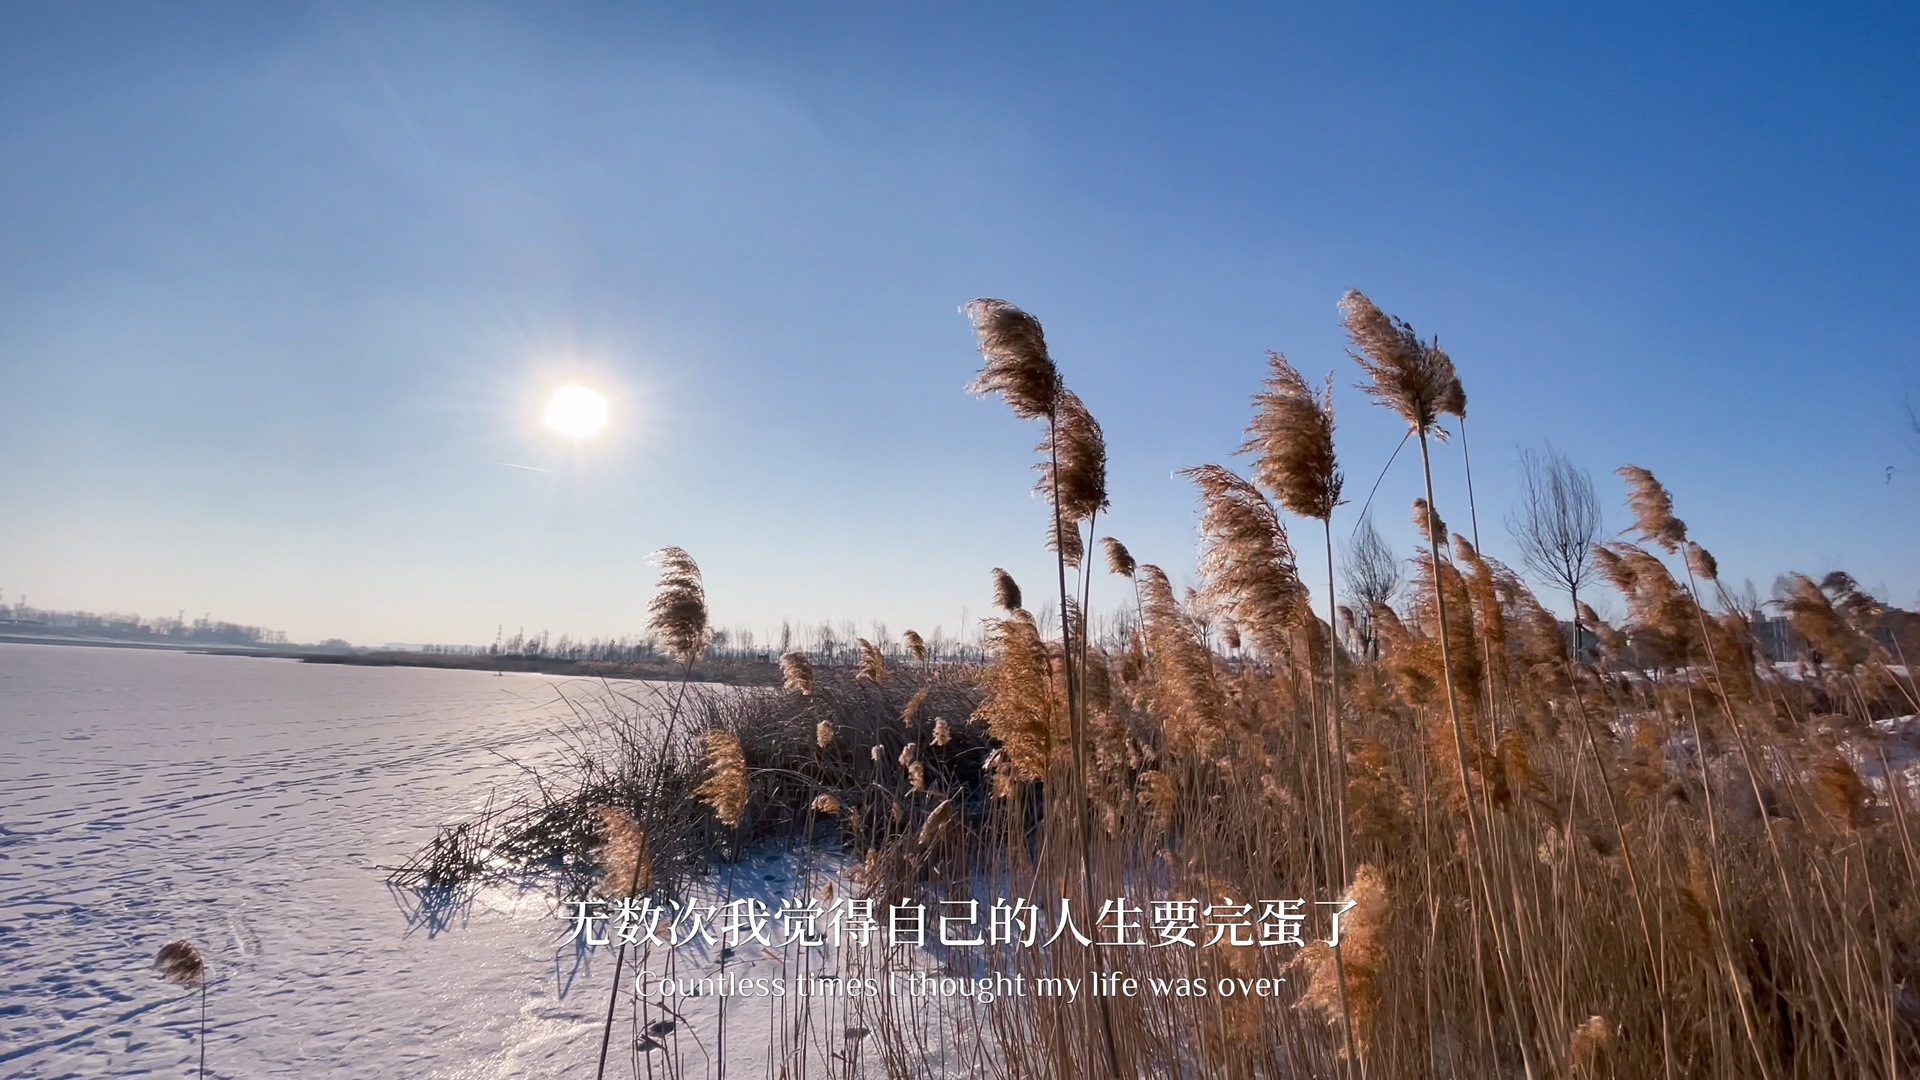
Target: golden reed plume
{"type": "Point", "coordinates": [725, 789]}
{"type": "Point", "coordinates": [936, 822]}
{"type": "Point", "coordinates": [625, 866]}
{"type": "Point", "coordinates": [916, 645]}
{"type": "Point", "coordinates": [1017, 365]}
{"type": "Point", "coordinates": [1812, 615]}
{"type": "Point", "coordinates": [1066, 541]}
{"type": "Point", "coordinates": [179, 963]}
{"type": "Point", "coordinates": [1589, 1045]}
{"type": "Point", "coordinates": [1364, 945]}
{"type": "Point", "coordinates": [1006, 591]}
{"type": "Point", "coordinates": [797, 671]}
{"type": "Point", "coordinates": [873, 666]}
{"type": "Point", "coordinates": [1186, 681]}
{"type": "Point", "coordinates": [1453, 396]}
{"type": "Point", "coordinates": [1652, 507]}
{"type": "Point", "coordinates": [1427, 520]}
{"type": "Point", "coordinates": [1246, 559]}
{"type": "Point", "coordinates": [911, 713]}
{"type": "Point", "coordinates": [677, 615]}
{"type": "Point", "coordinates": [1292, 438]}
{"type": "Point", "coordinates": [1411, 377]}
{"type": "Point", "coordinates": [1702, 562]}
{"type": "Point", "coordinates": [1077, 465]}
{"type": "Point", "coordinates": [1018, 704]}
{"type": "Point", "coordinates": [1119, 559]}
{"type": "Point", "coordinates": [1489, 586]}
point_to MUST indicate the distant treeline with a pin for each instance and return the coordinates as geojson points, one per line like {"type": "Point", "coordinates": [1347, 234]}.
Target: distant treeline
{"type": "Point", "coordinates": [825, 642]}
{"type": "Point", "coordinates": [21, 618]}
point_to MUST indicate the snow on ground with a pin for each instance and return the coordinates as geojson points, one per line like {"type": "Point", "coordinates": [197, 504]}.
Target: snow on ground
{"type": "Point", "coordinates": [250, 805]}
{"type": "Point", "coordinates": [1892, 748]}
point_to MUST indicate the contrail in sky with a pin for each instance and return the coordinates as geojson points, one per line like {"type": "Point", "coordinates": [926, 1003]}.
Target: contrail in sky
{"type": "Point", "coordinates": [529, 468]}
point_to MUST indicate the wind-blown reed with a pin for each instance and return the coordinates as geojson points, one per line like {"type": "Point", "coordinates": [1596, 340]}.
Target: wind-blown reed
{"type": "Point", "coordinates": [1006, 591]}
{"type": "Point", "coordinates": [1291, 438]}
{"type": "Point", "coordinates": [796, 672]}
{"type": "Point", "coordinates": [677, 615]}
{"type": "Point", "coordinates": [1017, 365]}
{"type": "Point", "coordinates": [180, 963]}
{"type": "Point", "coordinates": [1246, 560]}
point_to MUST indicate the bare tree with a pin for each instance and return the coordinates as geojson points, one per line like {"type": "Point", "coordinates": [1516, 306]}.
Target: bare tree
{"type": "Point", "coordinates": [1556, 523]}
{"type": "Point", "coordinates": [1373, 576]}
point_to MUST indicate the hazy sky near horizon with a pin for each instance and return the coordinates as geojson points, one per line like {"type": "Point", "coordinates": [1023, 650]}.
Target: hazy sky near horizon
{"type": "Point", "coordinates": [285, 288]}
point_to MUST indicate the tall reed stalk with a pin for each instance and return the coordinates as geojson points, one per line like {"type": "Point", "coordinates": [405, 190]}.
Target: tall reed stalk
{"type": "Point", "coordinates": [1417, 380]}
{"type": "Point", "coordinates": [180, 963]}
{"type": "Point", "coordinates": [1074, 477]}
{"type": "Point", "coordinates": [677, 616]}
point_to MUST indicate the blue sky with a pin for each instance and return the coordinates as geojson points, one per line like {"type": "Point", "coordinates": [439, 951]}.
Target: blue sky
{"type": "Point", "coordinates": [285, 287]}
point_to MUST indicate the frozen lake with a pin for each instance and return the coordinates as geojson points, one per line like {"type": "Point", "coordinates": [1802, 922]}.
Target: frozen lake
{"type": "Point", "coordinates": [248, 804]}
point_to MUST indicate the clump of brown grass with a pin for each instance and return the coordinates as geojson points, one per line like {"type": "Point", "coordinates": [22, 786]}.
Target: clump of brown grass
{"type": "Point", "coordinates": [1453, 397]}
{"type": "Point", "coordinates": [1612, 642]}
{"type": "Point", "coordinates": [1291, 436]}
{"type": "Point", "coordinates": [935, 823]}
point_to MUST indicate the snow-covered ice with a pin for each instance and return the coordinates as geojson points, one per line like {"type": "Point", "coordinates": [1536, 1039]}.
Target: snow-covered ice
{"type": "Point", "coordinates": [253, 805]}
{"type": "Point", "coordinates": [249, 805]}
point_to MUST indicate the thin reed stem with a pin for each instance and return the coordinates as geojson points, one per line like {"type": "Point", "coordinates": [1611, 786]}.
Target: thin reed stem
{"type": "Point", "coordinates": [620, 953]}
{"type": "Point", "coordinates": [1460, 750]}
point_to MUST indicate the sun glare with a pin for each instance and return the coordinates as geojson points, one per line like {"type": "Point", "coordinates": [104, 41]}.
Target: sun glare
{"type": "Point", "coordinates": [577, 411]}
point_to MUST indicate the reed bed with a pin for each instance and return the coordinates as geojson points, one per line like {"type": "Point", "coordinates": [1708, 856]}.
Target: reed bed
{"type": "Point", "coordinates": [1665, 855]}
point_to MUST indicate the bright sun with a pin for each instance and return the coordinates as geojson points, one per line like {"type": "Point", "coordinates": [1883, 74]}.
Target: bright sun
{"type": "Point", "coordinates": [576, 411]}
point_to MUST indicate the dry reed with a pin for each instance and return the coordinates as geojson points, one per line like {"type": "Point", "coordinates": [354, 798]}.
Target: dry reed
{"type": "Point", "coordinates": [180, 963]}
{"type": "Point", "coordinates": [1667, 859]}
